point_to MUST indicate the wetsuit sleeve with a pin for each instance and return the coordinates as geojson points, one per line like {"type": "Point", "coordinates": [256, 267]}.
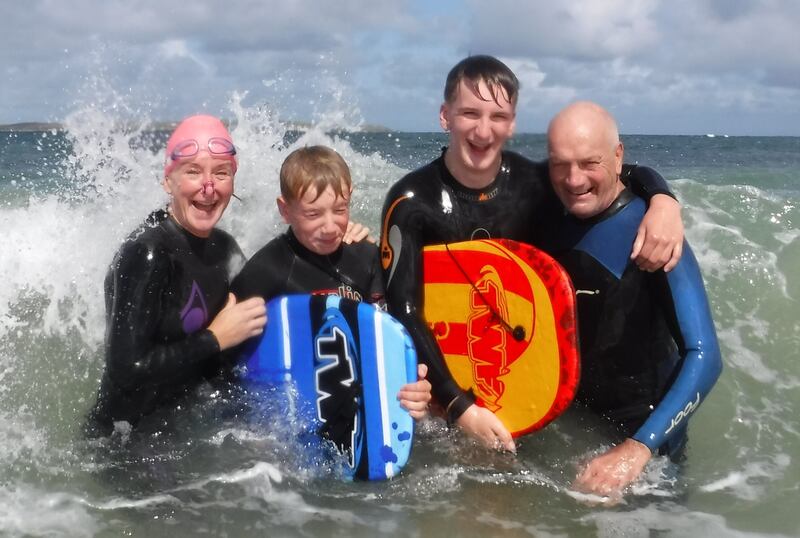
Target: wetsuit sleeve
{"type": "Point", "coordinates": [401, 260]}
{"type": "Point", "coordinates": [133, 297]}
{"type": "Point", "coordinates": [701, 362]}
{"type": "Point", "coordinates": [645, 182]}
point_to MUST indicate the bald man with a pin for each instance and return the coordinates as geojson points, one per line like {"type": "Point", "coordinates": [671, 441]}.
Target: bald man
{"type": "Point", "coordinates": [649, 352]}
{"type": "Point", "coordinates": [479, 190]}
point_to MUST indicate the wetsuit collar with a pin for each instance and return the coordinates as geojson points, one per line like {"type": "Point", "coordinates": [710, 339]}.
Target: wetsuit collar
{"type": "Point", "coordinates": [474, 195]}
{"type": "Point", "coordinates": [325, 263]}
{"type": "Point", "coordinates": [303, 252]}
{"type": "Point", "coordinates": [625, 197]}
{"type": "Point", "coordinates": [168, 222]}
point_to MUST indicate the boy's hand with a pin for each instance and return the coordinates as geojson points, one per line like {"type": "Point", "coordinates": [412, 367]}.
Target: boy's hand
{"type": "Point", "coordinates": [414, 397]}
{"type": "Point", "coordinates": [483, 425]}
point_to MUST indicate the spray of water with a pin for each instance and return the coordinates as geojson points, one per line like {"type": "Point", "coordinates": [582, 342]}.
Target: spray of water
{"type": "Point", "coordinates": [92, 185]}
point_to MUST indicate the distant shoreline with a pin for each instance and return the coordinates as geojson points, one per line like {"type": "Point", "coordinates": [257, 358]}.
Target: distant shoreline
{"type": "Point", "coordinates": [26, 127]}
{"type": "Point", "coordinates": [302, 126]}
{"type": "Point", "coordinates": [32, 127]}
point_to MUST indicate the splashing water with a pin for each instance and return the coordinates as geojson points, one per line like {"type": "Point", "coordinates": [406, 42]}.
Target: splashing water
{"type": "Point", "coordinates": [67, 201]}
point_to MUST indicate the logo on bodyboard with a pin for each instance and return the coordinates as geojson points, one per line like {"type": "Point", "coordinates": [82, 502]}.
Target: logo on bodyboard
{"type": "Point", "coordinates": [486, 346]}
{"type": "Point", "coordinates": [338, 389]}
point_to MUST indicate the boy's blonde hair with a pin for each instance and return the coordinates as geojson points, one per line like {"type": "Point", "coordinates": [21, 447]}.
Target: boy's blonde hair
{"type": "Point", "coordinates": [319, 166]}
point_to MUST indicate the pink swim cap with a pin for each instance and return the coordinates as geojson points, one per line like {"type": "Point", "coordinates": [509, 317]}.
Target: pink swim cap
{"type": "Point", "coordinates": [208, 134]}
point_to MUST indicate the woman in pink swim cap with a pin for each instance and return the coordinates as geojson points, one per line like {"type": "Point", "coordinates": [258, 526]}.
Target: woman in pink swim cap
{"type": "Point", "coordinates": [170, 320]}
{"type": "Point", "coordinates": [199, 168]}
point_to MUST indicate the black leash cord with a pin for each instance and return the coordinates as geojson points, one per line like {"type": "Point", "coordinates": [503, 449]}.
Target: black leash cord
{"type": "Point", "coordinates": [517, 332]}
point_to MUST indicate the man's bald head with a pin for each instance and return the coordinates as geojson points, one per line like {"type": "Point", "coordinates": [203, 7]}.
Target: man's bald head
{"type": "Point", "coordinates": [584, 119]}
{"type": "Point", "coordinates": [585, 158]}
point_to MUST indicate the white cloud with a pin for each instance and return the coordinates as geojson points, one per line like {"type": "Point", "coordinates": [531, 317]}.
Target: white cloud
{"type": "Point", "coordinates": [581, 29]}
{"type": "Point", "coordinates": [756, 39]}
{"type": "Point", "coordinates": [718, 57]}
{"type": "Point", "coordinates": [174, 48]}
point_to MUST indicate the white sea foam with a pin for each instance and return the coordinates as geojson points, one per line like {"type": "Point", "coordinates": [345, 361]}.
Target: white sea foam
{"type": "Point", "coordinates": [723, 248]}
{"type": "Point", "coordinates": [20, 442]}
{"type": "Point", "coordinates": [675, 522]}
{"type": "Point", "coordinates": [753, 480]}
{"type": "Point", "coordinates": [55, 252]}
{"type": "Point", "coordinates": [29, 511]}
{"type": "Point", "coordinates": [287, 507]}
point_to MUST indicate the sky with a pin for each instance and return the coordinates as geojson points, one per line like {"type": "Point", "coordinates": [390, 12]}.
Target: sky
{"type": "Point", "coordinates": [660, 66]}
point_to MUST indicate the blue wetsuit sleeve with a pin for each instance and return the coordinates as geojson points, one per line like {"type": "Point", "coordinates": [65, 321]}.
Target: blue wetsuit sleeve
{"type": "Point", "coordinates": [701, 362]}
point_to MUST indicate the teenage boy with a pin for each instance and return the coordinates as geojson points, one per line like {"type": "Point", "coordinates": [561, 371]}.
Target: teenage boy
{"type": "Point", "coordinates": [310, 257]}
{"type": "Point", "coordinates": [477, 190]}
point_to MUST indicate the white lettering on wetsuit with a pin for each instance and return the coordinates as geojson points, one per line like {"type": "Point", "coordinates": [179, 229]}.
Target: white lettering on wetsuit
{"type": "Point", "coordinates": [690, 408]}
{"type": "Point", "coordinates": [587, 292]}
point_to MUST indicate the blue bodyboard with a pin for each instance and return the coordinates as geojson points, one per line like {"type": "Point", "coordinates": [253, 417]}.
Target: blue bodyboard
{"type": "Point", "coordinates": [347, 362]}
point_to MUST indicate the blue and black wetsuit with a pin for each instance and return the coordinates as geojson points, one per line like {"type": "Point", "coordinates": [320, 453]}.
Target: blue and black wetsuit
{"type": "Point", "coordinates": [429, 206]}
{"type": "Point", "coordinates": [649, 351]}
{"type": "Point", "coordinates": [163, 289]}
{"type": "Point", "coordinates": [285, 266]}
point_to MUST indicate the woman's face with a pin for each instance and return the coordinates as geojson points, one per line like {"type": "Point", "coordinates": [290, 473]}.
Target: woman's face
{"type": "Point", "coordinates": [201, 188]}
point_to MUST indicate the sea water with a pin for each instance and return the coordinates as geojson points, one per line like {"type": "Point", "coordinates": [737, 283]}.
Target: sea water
{"type": "Point", "coordinates": [69, 198]}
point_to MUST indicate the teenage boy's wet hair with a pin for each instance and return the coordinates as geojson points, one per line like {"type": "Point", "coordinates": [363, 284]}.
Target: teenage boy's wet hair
{"type": "Point", "coordinates": [317, 166]}
{"type": "Point", "coordinates": [487, 69]}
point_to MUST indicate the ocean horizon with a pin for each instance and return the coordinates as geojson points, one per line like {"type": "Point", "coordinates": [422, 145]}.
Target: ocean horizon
{"type": "Point", "coordinates": [69, 198]}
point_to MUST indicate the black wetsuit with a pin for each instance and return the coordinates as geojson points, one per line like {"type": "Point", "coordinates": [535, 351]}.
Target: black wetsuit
{"type": "Point", "coordinates": [429, 206]}
{"type": "Point", "coordinates": [649, 351]}
{"type": "Point", "coordinates": [284, 266]}
{"type": "Point", "coordinates": [163, 289]}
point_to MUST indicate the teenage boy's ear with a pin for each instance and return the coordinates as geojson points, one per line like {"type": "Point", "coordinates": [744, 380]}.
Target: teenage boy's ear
{"type": "Point", "coordinates": [444, 117]}
{"type": "Point", "coordinates": [283, 209]}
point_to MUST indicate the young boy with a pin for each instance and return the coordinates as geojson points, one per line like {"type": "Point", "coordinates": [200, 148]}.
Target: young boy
{"type": "Point", "coordinates": [310, 256]}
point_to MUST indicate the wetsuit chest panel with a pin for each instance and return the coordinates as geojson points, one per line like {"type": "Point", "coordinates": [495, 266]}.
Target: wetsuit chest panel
{"type": "Point", "coordinates": [508, 208]}
{"type": "Point", "coordinates": [610, 241]}
{"type": "Point", "coordinates": [162, 289]}
{"type": "Point", "coordinates": [197, 285]}
{"type": "Point", "coordinates": [627, 351]}
{"type": "Point", "coordinates": [284, 266]}
{"type": "Point", "coordinates": [625, 341]}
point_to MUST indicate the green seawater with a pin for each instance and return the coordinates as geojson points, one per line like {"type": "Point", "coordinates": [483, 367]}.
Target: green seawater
{"type": "Point", "coordinates": [67, 200]}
